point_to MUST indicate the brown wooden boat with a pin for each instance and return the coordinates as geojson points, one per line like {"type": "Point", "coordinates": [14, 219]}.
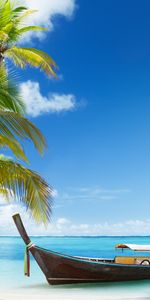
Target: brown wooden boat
{"type": "Point", "coordinates": [64, 269]}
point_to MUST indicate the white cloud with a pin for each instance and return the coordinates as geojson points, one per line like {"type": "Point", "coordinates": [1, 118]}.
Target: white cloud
{"type": "Point", "coordinates": [47, 11]}
{"type": "Point", "coordinates": [37, 104]}
{"type": "Point", "coordinates": [63, 221]}
{"type": "Point", "coordinates": [64, 226]}
{"type": "Point", "coordinates": [93, 193]}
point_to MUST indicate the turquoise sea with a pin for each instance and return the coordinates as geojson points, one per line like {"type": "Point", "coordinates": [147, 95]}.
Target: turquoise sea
{"type": "Point", "coordinates": [11, 267]}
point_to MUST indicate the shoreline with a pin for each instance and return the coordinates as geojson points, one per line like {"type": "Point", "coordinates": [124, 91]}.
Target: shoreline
{"type": "Point", "coordinates": [55, 296]}
{"type": "Point", "coordinates": [44, 292]}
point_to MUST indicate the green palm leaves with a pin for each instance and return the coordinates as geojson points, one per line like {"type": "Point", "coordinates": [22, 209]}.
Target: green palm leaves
{"type": "Point", "coordinates": [27, 187]}
{"type": "Point", "coordinates": [13, 125]}
{"type": "Point", "coordinates": [10, 98]}
{"type": "Point", "coordinates": [16, 181]}
{"type": "Point", "coordinates": [30, 56]}
{"type": "Point", "coordinates": [11, 29]}
{"type": "Point", "coordinates": [14, 146]}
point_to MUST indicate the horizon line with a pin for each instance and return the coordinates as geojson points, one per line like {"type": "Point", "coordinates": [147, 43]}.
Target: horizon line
{"type": "Point", "coordinates": [90, 236]}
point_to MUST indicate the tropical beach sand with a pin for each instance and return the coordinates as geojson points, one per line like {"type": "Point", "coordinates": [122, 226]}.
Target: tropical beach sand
{"type": "Point", "coordinates": [55, 296]}
{"type": "Point", "coordinates": [18, 297]}
{"type": "Point", "coordinates": [122, 291]}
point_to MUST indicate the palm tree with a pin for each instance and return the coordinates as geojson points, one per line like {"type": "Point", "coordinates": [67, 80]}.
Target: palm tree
{"type": "Point", "coordinates": [12, 110]}
{"type": "Point", "coordinates": [12, 19]}
{"type": "Point", "coordinates": [16, 181]}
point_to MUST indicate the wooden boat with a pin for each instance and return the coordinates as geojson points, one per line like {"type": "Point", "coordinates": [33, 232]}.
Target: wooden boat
{"type": "Point", "coordinates": [64, 269]}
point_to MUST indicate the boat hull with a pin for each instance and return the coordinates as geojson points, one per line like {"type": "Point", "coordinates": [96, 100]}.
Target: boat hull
{"type": "Point", "coordinates": [62, 269]}
{"type": "Point", "coordinates": [65, 269]}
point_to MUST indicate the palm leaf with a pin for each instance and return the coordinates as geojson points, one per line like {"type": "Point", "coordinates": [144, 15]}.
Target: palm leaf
{"type": "Point", "coordinates": [13, 126]}
{"type": "Point", "coordinates": [16, 32]}
{"type": "Point", "coordinates": [5, 13]}
{"type": "Point", "coordinates": [3, 36]}
{"type": "Point", "coordinates": [8, 27]}
{"type": "Point", "coordinates": [5, 194]}
{"type": "Point", "coordinates": [11, 29]}
{"type": "Point", "coordinates": [26, 187]}
{"type": "Point", "coordinates": [31, 28]}
{"type": "Point", "coordinates": [26, 14]}
{"type": "Point", "coordinates": [30, 56]}
{"type": "Point", "coordinates": [14, 146]}
{"type": "Point", "coordinates": [19, 10]}
{"type": "Point", "coordinates": [10, 98]}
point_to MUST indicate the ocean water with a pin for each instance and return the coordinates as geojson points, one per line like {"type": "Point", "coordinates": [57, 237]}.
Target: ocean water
{"type": "Point", "coordinates": [12, 277]}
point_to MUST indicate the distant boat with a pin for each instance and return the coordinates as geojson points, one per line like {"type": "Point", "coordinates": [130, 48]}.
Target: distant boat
{"type": "Point", "coordinates": [65, 269]}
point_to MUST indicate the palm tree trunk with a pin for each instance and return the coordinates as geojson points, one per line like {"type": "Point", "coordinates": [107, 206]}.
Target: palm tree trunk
{"type": "Point", "coordinates": [3, 48]}
{"type": "Point", "coordinates": [1, 58]}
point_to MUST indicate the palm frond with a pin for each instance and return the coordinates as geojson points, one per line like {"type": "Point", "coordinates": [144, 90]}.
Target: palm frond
{"type": "Point", "coordinates": [30, 28]}
{"type": "Point", "coordinates": [26, 14]}
{"type": "Point", "coordinates": [8, 27]}
{"type": "Point", "coordinates": [23, 57]}
{"type": "Point", "coordinates": [14, 146]}
{"type": "Point", "coordinates": [11, 30]}
{"type": "Point", "coordinates": [26, 187]}
{"type": "Point", "coordinates": [18, 10]}
{"type": "Point", "coordinates": [16, 32]}
{"type": "Point", "coordinates": [13, 126]}
{"type": "Point", "coordinates": [3, 36]}
{"type": "Point", "coordinates": [10, 98]}
{"type": "Point", "coordinates": [11, 20]}
{"type": "Point", "coordinates": [5, 194]}
{"type": "Point", "coordinates": [5, 13]}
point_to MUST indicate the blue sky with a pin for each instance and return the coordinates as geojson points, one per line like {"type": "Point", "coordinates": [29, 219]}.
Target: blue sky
{"type": "Point", "coordinates": [98, 135]}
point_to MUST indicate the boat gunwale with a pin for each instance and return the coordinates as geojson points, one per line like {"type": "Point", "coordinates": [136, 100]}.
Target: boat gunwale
{"type": "Point", "coordinates": [70, 257]}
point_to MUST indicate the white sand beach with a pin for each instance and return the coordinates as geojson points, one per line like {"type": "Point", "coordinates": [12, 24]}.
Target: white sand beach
{"type": "Point", "coordinates": [54, 296]}
{"type": "Point", "coordinates": [104, 292]}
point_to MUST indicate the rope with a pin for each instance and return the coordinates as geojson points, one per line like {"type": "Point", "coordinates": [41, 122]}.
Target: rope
{"type": "Point", "coordinates": [27, 259]}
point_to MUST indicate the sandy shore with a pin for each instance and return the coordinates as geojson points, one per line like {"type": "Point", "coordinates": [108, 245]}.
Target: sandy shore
{"type": "Point", "coordinates": [16, 296]}
{"type": "Point", "coordinates": [26, 289]}
{"type": "Point", "coordinates": [56, 295]}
